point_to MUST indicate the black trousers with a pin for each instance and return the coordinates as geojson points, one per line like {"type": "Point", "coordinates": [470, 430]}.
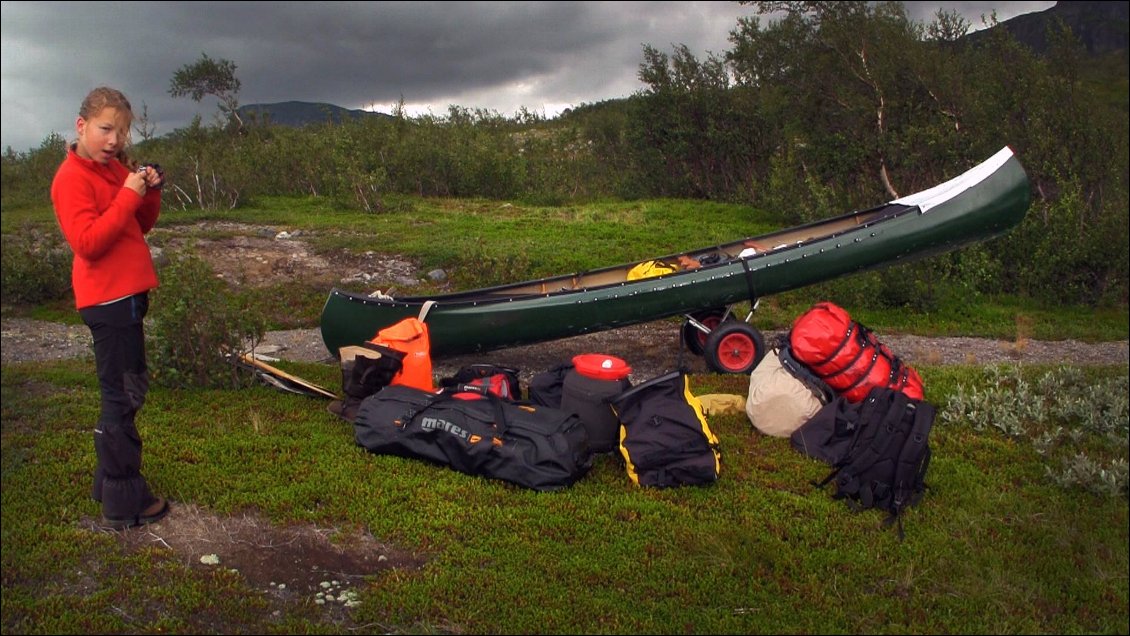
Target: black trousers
{"type": "Point", "coordinates": [119, 355]}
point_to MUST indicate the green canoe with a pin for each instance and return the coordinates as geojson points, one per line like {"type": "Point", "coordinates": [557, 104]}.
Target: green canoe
{"type": "Point", "coordinates": [980, 204]}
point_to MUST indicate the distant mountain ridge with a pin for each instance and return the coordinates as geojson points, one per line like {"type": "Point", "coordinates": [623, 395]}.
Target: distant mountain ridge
{"type": "Point", "coordinates": [295, 113]}
{"type": "Point", "coordinates": [1102, 27]}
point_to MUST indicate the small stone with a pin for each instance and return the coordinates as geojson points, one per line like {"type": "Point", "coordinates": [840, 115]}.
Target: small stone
{"type": "Point", "coordinates": [210, 559]}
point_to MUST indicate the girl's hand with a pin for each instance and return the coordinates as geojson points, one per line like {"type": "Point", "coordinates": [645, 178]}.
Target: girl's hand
{"type": "Point", "coordinates": [136, 181]}
{"type": "Point", "coordinates": [154, 176]}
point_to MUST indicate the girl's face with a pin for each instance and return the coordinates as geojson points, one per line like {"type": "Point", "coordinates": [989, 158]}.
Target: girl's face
{"type": "Point", "coordinates": [102, 136]}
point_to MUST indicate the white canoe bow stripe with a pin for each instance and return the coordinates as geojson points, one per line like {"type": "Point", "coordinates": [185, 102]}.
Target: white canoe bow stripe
{"type": "Point", "coordinates": [943, 192]}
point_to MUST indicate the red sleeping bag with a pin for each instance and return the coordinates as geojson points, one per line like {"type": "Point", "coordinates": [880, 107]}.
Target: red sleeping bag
{"type": "Point", "coordinates": [847, 356]}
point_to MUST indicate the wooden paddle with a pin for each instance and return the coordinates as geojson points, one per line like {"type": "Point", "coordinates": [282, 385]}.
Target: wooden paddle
{"type": "Point", "coordinates": [280, 379]}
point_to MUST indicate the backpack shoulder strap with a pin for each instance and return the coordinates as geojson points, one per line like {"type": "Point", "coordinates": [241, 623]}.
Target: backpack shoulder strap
{"type": "Point", "coordinates": [910, 471]}
{"type": "Point", "coordinates": [882, 413]}
{"type": "Point", "coordinates": [914, 458]}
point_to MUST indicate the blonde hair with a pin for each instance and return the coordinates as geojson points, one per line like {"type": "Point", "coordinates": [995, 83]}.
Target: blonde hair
{"type": "Point", "coordinates": [106, 97]}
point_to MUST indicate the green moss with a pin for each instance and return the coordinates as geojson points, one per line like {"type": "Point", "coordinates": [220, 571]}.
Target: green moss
{"type": "Point", "coordinates": [995, 546]}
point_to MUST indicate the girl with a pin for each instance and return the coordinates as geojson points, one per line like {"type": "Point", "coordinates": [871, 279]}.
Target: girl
{"type": "Point", "coordinates": [104, 210]}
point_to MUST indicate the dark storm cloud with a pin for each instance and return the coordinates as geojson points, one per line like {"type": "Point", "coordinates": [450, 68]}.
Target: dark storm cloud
{"type": "Point", "coordinates": [493, 55]}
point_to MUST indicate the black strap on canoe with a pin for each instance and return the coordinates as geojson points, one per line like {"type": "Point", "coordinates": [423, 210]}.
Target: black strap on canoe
{"type": "Point", "coordinates": [680, 361]}
{"type": "Point", "coordinates": [749, 282]}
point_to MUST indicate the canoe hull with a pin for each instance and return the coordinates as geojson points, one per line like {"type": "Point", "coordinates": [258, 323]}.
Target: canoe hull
{"type": "Point", "coordinates": [912, 228]}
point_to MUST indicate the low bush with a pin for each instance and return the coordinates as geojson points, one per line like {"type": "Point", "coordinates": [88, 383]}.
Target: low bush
{"type": "Point", "coordinates": [36, 266]}
{"type": "Point", "coordinates": [1078, 424]}
{"type": "Point", "coordinates": [198, 325]}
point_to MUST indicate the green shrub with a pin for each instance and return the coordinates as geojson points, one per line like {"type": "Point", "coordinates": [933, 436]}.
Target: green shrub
{"type": "Point", "coordinates": [27, 175]}
{"type": "Point", "coordinates": [198, 324]}
{"type": "Point", "coordinates": [36, 266]}
{"type": "Point", "coordinates": [1063, 252]}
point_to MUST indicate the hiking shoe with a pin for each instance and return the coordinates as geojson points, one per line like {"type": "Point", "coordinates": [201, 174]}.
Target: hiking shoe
{"type": "Point", "coordinates": [154, 513]}
{"type": "Point", "coordinates": [345, 409]}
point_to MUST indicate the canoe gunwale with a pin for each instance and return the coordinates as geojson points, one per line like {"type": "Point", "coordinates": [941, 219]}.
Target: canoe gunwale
{"type": "Point", "coordinates": [491, 295]}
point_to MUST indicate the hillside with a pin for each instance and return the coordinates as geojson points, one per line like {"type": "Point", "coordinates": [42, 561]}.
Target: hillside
{"type": "Point", "coordinates": [1102, 27]}
{"type": "Point", "coordinates": [295, 113]}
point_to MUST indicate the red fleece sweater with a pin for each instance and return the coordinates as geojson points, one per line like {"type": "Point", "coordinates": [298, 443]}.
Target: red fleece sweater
{"type": "Point", "coordinates": [105, 224]}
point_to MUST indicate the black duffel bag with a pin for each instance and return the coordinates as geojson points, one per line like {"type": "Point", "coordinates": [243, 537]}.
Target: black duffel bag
{"type": "Point", "coordinates": [478, 434]}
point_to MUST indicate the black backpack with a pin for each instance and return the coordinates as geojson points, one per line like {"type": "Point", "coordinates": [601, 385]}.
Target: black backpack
{"type": "Point", "coordinates": [879, 450]}
{"type": "Point", "coordinates": [547, 388]}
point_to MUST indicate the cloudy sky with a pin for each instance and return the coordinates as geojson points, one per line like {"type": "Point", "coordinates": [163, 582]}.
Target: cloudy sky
{"type": "Point", "coordinates": [544, 56]}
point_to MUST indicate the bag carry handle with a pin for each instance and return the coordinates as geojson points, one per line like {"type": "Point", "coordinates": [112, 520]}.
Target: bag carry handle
{"type": "Point", "coordinates": [823, 392]}
{"type": "Point", "coordinates": [383, 350]}
{"type": "Point", "coordinates": [640, 388]}
{"type": "Point", "coordinates": [446, 395]}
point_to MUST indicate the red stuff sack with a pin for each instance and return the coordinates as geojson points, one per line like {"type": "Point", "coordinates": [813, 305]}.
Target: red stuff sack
{"type": "Point", "coordinates": [473, 382]}
{"type": "Point", "coordinates": [847, 356]}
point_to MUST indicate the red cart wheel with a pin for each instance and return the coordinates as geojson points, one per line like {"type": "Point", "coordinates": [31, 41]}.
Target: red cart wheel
{"type": "Point", "coordinates": [734, 347]}
{"type": "Point", "coordinates": [695, 338]}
